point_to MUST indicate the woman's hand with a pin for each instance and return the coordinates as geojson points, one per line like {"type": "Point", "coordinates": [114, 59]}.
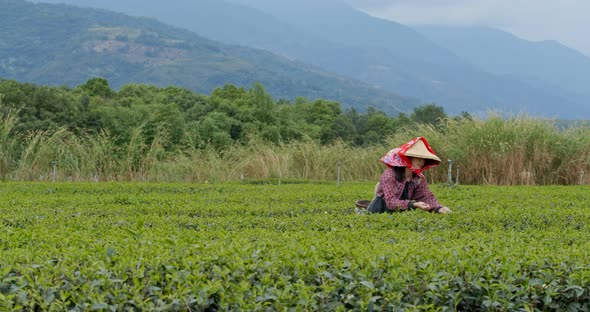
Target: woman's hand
{"type": "Point", "coordinates": [422, 205]}
{"type": "Point", "coordinates": [444, 209]}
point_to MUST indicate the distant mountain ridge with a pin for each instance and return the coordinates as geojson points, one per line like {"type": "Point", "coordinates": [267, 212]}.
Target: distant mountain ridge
{"type": "Point", "coordinates": [429, 69]}
{"type": "Point", "coordinates": [341, 39]}
{"type": "Point", "coordinates": [392, 57]}
{"type": "Point", "coordinates": [502, 53]}
{"type": "Point", "coordinates": [65, 45]}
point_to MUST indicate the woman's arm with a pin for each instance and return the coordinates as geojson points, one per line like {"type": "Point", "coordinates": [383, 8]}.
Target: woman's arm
{"type": "Point", "coordinates": [423, 194]}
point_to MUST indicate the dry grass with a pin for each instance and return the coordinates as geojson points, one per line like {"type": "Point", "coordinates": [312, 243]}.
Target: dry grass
{"type": "Point", "coordinates": [508, 152]}
{"type": "Point", "coordinates": [492, 151]}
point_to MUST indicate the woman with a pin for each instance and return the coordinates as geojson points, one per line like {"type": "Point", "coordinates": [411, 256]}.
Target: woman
{"type": "Point", "coordinates": [402, 185]}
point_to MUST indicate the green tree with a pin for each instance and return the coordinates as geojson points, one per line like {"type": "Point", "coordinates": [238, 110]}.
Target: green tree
{"type": "Point", "coordinates": [265, 110]}
{"type": "Point", "coordinates": [360, 124]}
{"type": "Point", "coordinates": [185, 99]}
{"type": "Point", "coordinates": [215, 130]}
{"type": "Point", "coordinates": [323, 113]}
{"type": "Point", "coordinates": [430, 114]}
{"type": "Point", "coordinates": [40, 107]}
{"type": "Point", "coordinates": [291, 125]}
{"type": "Point", "coordinates": [230, 92]}
{"type": "Point", "coordinates": [402, 120]}
{"type": "Point", "coordinates": [98, 87]}
{"type": "Point", "coordinates": [131, 94]}
{"type": "Point", "coordinates": [380, 123]}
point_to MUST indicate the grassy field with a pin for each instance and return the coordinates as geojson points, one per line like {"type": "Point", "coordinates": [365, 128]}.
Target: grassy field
{"type": "Point", "coordinates": [300, 247]}
{"type": "Point", "coordinates": [494, 151]}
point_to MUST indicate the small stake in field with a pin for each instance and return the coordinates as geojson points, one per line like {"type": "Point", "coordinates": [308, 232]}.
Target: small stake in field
{"type": "Point", "coordinates": [338, 175]}
{"type": "Point", "coordinates": [54, 167]}
{"type": "Point", "coordinates": [457, 177]}
{"type": "Point", "coordinates": [450, 174]}
{"type": "Point", "coordinates": [581, 177]}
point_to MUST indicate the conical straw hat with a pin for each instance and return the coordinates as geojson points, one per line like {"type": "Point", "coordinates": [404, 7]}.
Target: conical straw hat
{"type": "Point", "coordinates": [420, 150]}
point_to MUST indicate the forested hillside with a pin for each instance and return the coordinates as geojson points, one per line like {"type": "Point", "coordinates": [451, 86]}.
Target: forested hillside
{"type": "Point", "coordinates": [395, 57]}
{"type": "Point", "coordinates": [187, 119]}
{"type": "Point", "coordinates": [147, 133]}
{"type": "Point", "coordinates": [65, 45]}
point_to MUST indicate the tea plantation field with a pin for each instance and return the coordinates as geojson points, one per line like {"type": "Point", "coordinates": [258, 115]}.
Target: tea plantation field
{"type": "Point", "coordinates": [290, 247]}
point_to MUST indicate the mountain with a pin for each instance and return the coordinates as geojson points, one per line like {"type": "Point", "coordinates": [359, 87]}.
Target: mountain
{"type": "Point", "coordinates": [338, 38]}
{"type": "Point", "coordinates": [428, 68]}
{"type": "Point", "coordinates": [547, 63]}
{"type": "Point", "coordinates": [66, 45]}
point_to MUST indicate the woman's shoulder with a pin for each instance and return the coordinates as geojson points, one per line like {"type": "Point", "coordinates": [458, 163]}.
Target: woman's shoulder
{"type": "Point", "coordinates": [388, 177]}
{"type": "Point", "coordinates": [388, 172]}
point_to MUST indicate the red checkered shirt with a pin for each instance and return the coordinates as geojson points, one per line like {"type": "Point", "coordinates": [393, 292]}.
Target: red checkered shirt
{"type": "Point", "coordinates": [391, 190]}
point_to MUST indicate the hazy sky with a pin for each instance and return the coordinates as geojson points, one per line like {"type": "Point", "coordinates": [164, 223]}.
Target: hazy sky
{"type": "Point", "coordinates": [566, 21]}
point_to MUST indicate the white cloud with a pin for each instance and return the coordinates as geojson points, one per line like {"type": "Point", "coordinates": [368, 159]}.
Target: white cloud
{"type": "Point", "coordinates": [565, 21]}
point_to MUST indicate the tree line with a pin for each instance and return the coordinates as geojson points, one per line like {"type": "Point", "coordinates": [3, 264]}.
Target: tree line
{"type": "Point", "coordinates": [229, 115]}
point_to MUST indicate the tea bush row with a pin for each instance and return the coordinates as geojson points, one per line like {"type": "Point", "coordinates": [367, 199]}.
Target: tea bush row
{"type": "Point", "coordinates": [207, 247]}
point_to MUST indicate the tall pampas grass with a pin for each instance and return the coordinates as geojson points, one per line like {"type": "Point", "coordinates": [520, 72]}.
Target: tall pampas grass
{"type": "Point", "coordinates": [520, 150]}
{"type": "Point", "coordinates": [494, 150]}
{"type": "Point", "coordinates": [8, 143]}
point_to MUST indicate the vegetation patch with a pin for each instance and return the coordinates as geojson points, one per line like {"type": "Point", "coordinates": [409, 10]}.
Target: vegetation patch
{"type": "Point", "coordinates": [147, 133]}
{"type": "Point", "coordinates": [196, 247]}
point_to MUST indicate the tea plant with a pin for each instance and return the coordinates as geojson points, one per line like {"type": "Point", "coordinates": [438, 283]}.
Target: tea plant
{"type": "Point", "coordinates": [207, 247]}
